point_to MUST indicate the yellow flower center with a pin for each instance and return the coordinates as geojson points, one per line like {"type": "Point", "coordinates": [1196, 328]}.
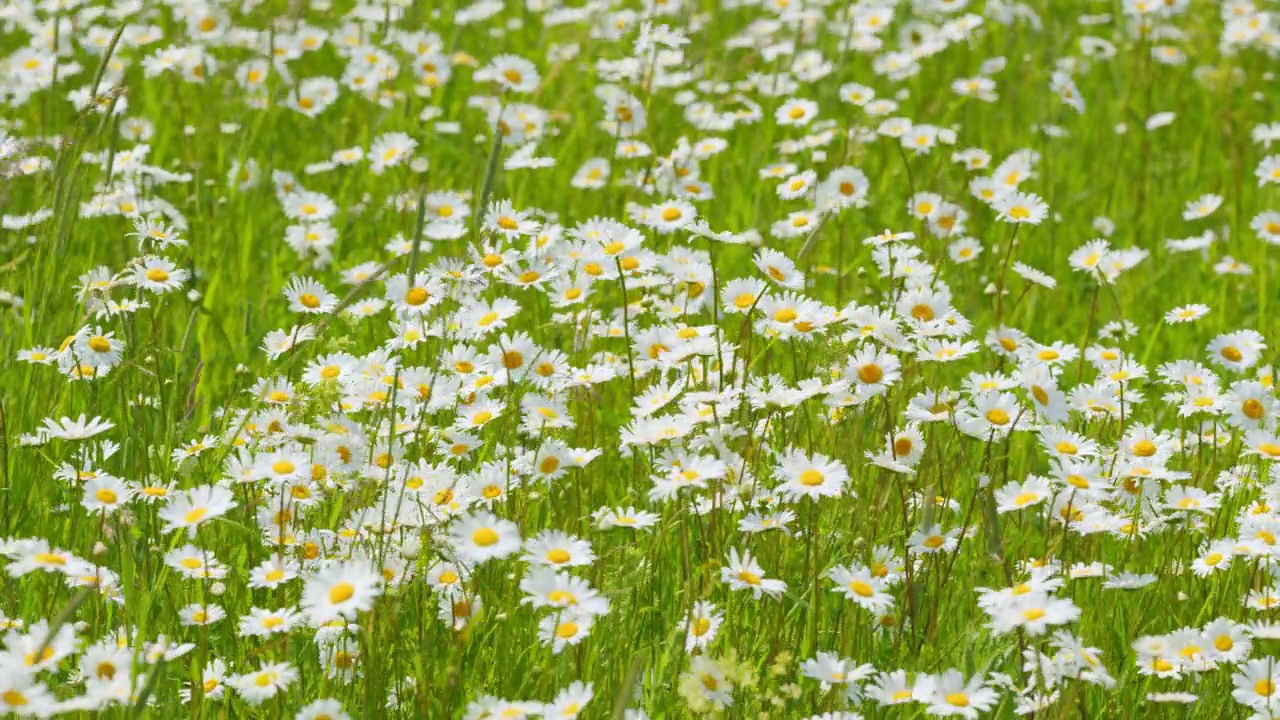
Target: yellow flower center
{"type": "Point", "coordinates": [922, 312]}
{"type": "Point", "coordinates": [811, 478]}
{"type": "Point", "coordinates": [416, 296]}
{"type": "Point", "coordinates": [1252, 408]}
{"type": "Point", "coordinates": [870, 373]}
{"type": "Point", "coordinates": [341, 592]}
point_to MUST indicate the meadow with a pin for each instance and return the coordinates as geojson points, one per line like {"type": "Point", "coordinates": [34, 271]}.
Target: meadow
{"type": "Point", "coordinates": [639, 359]}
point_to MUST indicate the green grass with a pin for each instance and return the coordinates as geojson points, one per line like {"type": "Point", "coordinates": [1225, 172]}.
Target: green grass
{"type": "Point", "coordinates": [192, 358]}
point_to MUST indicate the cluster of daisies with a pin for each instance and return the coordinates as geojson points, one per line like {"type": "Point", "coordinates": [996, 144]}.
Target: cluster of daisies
{"type": "Point", "coordinates": [540, 429]}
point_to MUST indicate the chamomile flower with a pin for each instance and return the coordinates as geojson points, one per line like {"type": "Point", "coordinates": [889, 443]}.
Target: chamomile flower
{"type": "Point", "coordinates": [340, 590]}
{"type": "Point", "coordinates": [192, 508]}
{"type": "Point", "coordinates": [483, 536]}
{"type": "Point", "coordinates": [1021, 207]}
{"type": "Point", "coordinates": [742, 572]}
{"type": "Point", "coordinates": [269, 680]}
{"type": "Point", "coordinates": [309, 296]}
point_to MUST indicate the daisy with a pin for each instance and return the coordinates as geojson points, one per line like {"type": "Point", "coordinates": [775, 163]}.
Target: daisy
{"type": "Point", "coordinates": [743, 573]}
{"type": "Point", "coordinates": [389, 150]}
{"type": "Point", "coordinates": [813, 477]}
{"type": "Point", "coordinates": [157, 275]}
{"type": "Point", "coordinates": [570, 702]}
{"type": "Point", "coordinates": [564, 629]}
{"type": "Point", "coordinates": [779, 268]}
{"type": "Point", "coordinates": [511, 72]}
{"type": "Point", "coordinates": [556, 549]}
{"type": "Point", "coordinates": [932, 539]}
{"type": "Point", "coordinates": [191, 508]}
{"type": "Point", "coordinates": [309, 296]}
{"type": "Point", "coordinates": [950, 694]}
{"type": "Point", "coordinates": [199, 615]}
{"type": "Point", "coordinates": [1186, 313]}
{"type": "Point", "coordinates": [1238, 350]}
{"type": "Point", "coordinates": [1021, 207]}
{"type": "Point", "coordinates": [271, 573]}
{"type": "Point", "coordinates": [484, 536]}
{"type": "Point", "coordinates": [701, 626]}
{"type": "Point", "coordinates": [263, 623]}
{"type": "Point", "coordinates": [265, 683]}
{"type": "Point", "coordinates": [78, 429]}
{"type": "Point", "coordinates": [105, 493]}
{"type": "Point", "coordinates": [323, 709]}
{"type": "Point", "coordinates": [502, 219]}
{"type": "Point", "coordinates": [340, 590]}
{"type": "Point", "coordinates": [796, 112]}
{"type": "Point", "coordinates": [860, 585]}
{"type": "Point", "coordinates": [547, 588]}
{"type": "Point", "coordinates": [1202, 207]}
{"type": "Point", "coordinates": [625, 517]}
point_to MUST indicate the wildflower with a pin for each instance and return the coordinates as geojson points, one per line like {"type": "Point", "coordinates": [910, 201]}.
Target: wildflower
{"type": "Point", "coordinates": [265, 683]}
{"type": "Point", "coordinates": [743, 573]}
{"type": "Point", "coordinates": [192, 508]}
{"type": "Point", "coordinates": [1020, 207]}
{"type": "Point", "coordinates": [483, 536]}
{"type": "Point", "coordinates": [340, 590]}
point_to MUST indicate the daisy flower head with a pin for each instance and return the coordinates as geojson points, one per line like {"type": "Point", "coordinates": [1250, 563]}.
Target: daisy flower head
{"type": "Point", "coordinates": [1238, 350]}
{"type": "Point", "coordinates": [306, 295]}
{"type": "Point", "coordinates": [340, 590]}
{"type": "Point", "coordinates": [951, 694]}
{"type": "Point", "coordinates": [796, 112]}
{"type": "Point", "coordinates": [779, 268]}
{"type": "Point", "coordinates": [269, 680]}
{"type": "Point", "coordinates": [1267, 226]}
{"type": "Point", "coordinates": [192, 508]}
{"type": "Point", "coordinates": [1186, 313]}
{"type": "Point", "coordinates": [389, 150]}
{"type": "Point", "coordinates": [811, 476]}
{"type": "Point", "coordinates": [1268, 171]}
{"type": "Point", "coordinates": [511, 72]}
{"type": "Point", "coordinates": [742, 572]}
{"type": "Point", "coordinates": [157, 275]}
{"type": "Point", "coordinates": [1021, 207]}
{"type": "Point", "coordinates": [483, 536]}
{"type": "Point", "coordinates": [1202, 207]}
